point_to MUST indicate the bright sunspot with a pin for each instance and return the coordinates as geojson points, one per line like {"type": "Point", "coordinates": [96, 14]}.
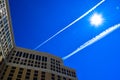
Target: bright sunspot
{"type": "Point", "coordinates": [96, 19]}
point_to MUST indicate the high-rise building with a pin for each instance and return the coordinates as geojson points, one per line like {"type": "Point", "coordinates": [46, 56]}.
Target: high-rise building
{"type": "Point", "coordinates": [23, 64]}
{"type": "Point", "coordinates": [6, 35]}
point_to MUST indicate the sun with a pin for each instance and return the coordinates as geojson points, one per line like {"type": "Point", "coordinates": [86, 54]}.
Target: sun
{"type": "Point", "coordinates": [96, 19]}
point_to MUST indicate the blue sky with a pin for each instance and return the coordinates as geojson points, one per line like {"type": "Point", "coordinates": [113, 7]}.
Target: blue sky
{"type": "Point", "coordinates": [34, 21]}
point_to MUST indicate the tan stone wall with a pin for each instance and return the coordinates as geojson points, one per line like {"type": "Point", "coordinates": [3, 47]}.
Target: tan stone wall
{"type": "Point", "coordinates": [12, 73]}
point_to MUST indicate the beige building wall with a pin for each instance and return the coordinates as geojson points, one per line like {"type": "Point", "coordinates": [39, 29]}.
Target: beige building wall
{"type": "Point", "coordinates": [40, 61]}
{"type": "Point", "coordinates": [20, 73]}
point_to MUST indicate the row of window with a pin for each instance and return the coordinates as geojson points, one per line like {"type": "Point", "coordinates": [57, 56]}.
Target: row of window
{"type": "Point", "coordinates": [1, 1]}
{"type": "Point", "coordinates": [21, 72]}
{"type": "Point", "coordinates": [35, 77]}
{"type": "Point", "coordinates": [54, 66]}
{"type": "Point", "coordinates": [34, 57]}
{"type": "Point", "coordinates": [5, 33]}
{"type": "Point", "coordinates": [28, 62]}
{"type": "Point", "coordinates": [2, 10]}
{"type": "Point", "coordinates": [53, 77]}
{"type": "Point", "coordinates": [30, 56]}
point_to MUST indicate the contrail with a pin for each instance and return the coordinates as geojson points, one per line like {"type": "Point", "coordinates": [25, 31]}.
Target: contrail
{"type": "Point", "coordinates": [93, 40]}
{"type": "Point", "coordinates": [70, 24]}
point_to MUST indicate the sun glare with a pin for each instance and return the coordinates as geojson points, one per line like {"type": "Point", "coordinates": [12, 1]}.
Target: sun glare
{"type": "Point", "coordinates": [96, 19]}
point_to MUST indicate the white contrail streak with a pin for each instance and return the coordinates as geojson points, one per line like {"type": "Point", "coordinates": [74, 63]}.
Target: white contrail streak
{"type": "Point", "coordinates": [70, 24]}
{"type": "Point", "coordinates": [93, 40]}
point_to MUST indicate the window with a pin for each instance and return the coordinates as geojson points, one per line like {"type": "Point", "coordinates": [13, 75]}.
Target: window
{"type": "Point", "coordinates": [64, 78]}
{"type": "Point", "coordinates": [6, 27]}
{"type": "Point", "coordinates": [21, 69]}
{"type": "Point", "coordinates": [13, 67]}
{"type": "Point", "coordinates": [42, 75]}
{"type": "Point", "coordinates": [28, 70]}
{"type": "Point", "coordinates": [19, 76]}
{"type": "Point", "coordinates": [36, 57]}
{"type": "Point", "coordinates": [39, 58]}
{"type": "Point", "coordinates": [35, 75]}
{"type": "Point", "coordinates": [43, 58]}
{"type": "Point", "coordinates": [30, 56]}
{"type": "Point", "coordinates": [36, 72]}
{"type": "Point", "coordinates": [44, 65]}
{"type": "Point", "coordinates": [17, 54]}
{"type": "Point", "coordinates": [12, 71]}
{"type": "Point", "coordinates": [11, 74]}
{"type": "Point", "coordinates": [33, 56]}
{"type": "Point", "coordinates": [59, 77]}
{"type": "Point", "coordinates": [28, 74]}
{"type": "Point", "coordinates": [24, 54]}
{"type": "Point", "coordinates": [20, 54]}
{"type": "Point", "coordinates": [35, 78]}
{"type": "Point", "coordinates": [52, 76]}
{"type": "Point", "coordinates": [0, 53]}
{"type": "Point", "coordinates": [9, 78]}
{"type": "Point", "coordinates": [20, 73]}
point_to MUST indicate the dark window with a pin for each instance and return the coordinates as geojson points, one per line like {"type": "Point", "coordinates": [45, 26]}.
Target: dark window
{"type": "Point", "coordinates": [43, 75]}
{"type": "Point", "coordinates": [9, 78]}
{"type": "Point", "coordinates": [30, 56]}
{"type": "Point", "coordinates": [53, 74]}
{"type": "Point", "coordinates": [36, 72]}
{"type": "Point", "coordinates": [39, 58]}
{"type": "Point", "coordinates": [19, 72]}
{"type": "Point", "coordinates": [13, 67]}
{"type": "Point", "coordinates": [11, 74]}
{"type": "Point", "coordinates": [27, 77]}
{"type": "Point", "coordinates": [12, 71]}
{"type": "Point", "coordinates": [20, 54]}
{"type": "Point", "coordinates": [59, 77]}
{"type": "Point", "coordinates": [35, 79]}
{"type": "Point", "coordinates": [33, 56]}
{"type": "Point", "coordinates": [19, 76]}
{"type": "Point", "coordinates": [24, 54]}
{"type": "Point", "coordinates": [28, 70]}
{"type": "Point", "coordinates": [36, 57]}
{"type": "Point", "coordinates": [64, 78]}
{"type": "Point", "coordinates": [27, 73]}
{"type": "Point", "coordinates": [43, 58]}
{"type": "Point", "coordinates": [21, 69]}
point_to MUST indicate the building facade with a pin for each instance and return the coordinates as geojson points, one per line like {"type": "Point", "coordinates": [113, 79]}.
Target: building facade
{"type": "Point", "coordinates": [6, 35]}
{"type": "Point", "coordinates": [23, 64]}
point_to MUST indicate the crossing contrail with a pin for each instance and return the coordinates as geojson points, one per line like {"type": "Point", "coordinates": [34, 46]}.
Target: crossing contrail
{"type": "Point", "coordinates": [93, 40]}
{"type": "Point", "coordinates": [98, 4]}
